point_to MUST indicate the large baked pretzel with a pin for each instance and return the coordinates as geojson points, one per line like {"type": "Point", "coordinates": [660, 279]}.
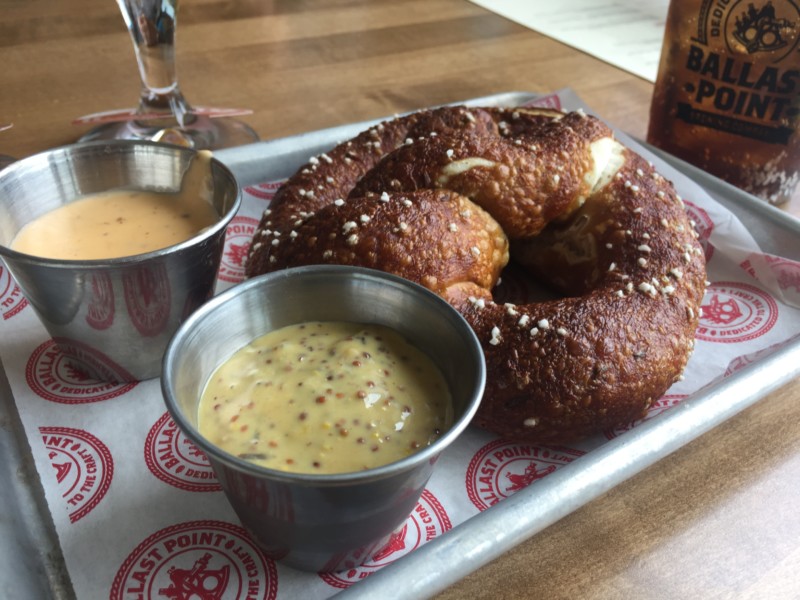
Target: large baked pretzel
{"type": "Point", "coordinates": [435, 196]}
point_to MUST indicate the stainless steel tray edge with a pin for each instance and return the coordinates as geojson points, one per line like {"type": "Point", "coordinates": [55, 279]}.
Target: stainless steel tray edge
{"type": "Point", "coordinates": [28, 536]}
{"type": "Point", "coordinates": [31, 562]}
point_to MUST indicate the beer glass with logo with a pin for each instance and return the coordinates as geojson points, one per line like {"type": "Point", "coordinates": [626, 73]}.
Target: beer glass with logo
{"type": "Point", "coordinates": [726, 98]}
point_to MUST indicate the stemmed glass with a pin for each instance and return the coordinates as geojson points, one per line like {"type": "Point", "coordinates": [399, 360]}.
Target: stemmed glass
{"type": "Point", "coordinates": [163, 113]}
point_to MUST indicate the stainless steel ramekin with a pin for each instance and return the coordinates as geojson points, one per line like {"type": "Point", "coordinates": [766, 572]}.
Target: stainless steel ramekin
{"type": "Point", "coordinates": [322, 522]}
{"type": "Point", "coordinates": [114, 316]}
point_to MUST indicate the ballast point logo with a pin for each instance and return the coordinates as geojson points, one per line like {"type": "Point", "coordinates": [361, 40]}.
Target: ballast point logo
{"type": "Point", "coordinates": [656, 408]}
{"type": "Point", "coordinates": [211, 560]}
{"type": "Point", "coordinates": [83, 468]}
{"type": "Point", "coordinates": [78, 376]}
{"type": "Point", "coordinates": [175, 460]}
{"type": "Point", "coordinates": [237, 242]}
{"type": "Point", "coordinates": [740, 362]}
{"type": "Point", "coordinates": [552, 101]}
{"type": "Point", "coordinates": [264, 191]}
{"type": "Point", "coordinates": [11, 299]}
{"type": "Point", "coordinates": [501, 468]}
{"type": "Point", "coordinates": [703, 225]}
{"type": "Point", "coordinates": [100, 314]}
{"type": "Point", "coordinates": [428, 520]}
{"type": "Point", "coordinates": [736, 312]}
{"type": "Point", "coordinates": [148, 297]}
{"type": "Point", "coordinates": [787, 272]}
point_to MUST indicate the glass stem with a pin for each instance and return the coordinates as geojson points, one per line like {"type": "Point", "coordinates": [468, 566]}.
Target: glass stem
{"type": "Point", "coordinates": [152, 25]}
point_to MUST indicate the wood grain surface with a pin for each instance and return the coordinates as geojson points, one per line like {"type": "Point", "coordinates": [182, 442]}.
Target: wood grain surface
{"type": "Point", "coordinates": [717, 519]}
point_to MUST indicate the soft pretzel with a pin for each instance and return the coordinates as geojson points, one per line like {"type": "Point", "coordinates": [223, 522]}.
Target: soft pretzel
{"type": "Point", "coordinates": [436, 196]}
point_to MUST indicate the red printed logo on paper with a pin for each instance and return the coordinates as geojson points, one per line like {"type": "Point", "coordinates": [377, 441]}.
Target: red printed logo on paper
{"type": "Point", "coordinates": [264, 191]}
{"type": "Point", "coordinates": [82, 465]}
{"type": "Point", "coordinates": [176, 460]}
{"type": "Point", "coordinates": [501, 468]}
{"type": "Point", "coordinates": [427, 521]}
{"type": "Point", "coordinates": [736, 312]}
{"type": "Point", "coordinates": [208, 560]}
{"type": "Point", "coordinates": [11, 299]}
{"type": "Point", "coordinates": [656, 408]}
{"type": "Point", "coordinates": [148, 297]}
{"type": "Point", "coordinates": [703, 225]}
{"type": "Point", "coordinates": [100, 313]}
{"type": "Point", "coordinates": [552, 101]}
{"type": "Point", "coordinates": [237, 242]}
{"type": "Point", "coordinates": [740, 362]}
{"type": "Point", "coordinates": [744, 360]}
{"type": "Point", "coordinates": [786, 271]}
{"type": "Point", "coordinates": [72, 373]}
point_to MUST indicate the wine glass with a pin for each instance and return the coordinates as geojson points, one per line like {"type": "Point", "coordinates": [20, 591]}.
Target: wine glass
{"type": "Point", "coordinates": [163, 113]}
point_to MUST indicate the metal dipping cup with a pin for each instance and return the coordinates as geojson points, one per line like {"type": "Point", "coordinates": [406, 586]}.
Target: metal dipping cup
{"type": "Point", "coordinates": [307, 521]}
{"type": "Point", "coordinates": [116, 316]}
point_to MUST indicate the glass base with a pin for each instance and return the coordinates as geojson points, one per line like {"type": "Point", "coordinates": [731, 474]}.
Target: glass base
{"type": "Point", "coordinates": [203, 133]}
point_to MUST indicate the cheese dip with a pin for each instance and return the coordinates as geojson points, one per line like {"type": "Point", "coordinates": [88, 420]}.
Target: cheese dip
{"type": "Point", "coordinates": [123, 222]}
{"type": "Point", "coordinates": [325, 397]}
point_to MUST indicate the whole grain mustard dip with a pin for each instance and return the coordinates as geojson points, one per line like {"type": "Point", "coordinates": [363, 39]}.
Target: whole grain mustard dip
{"type": "Point", "coordinates": [325, 397]}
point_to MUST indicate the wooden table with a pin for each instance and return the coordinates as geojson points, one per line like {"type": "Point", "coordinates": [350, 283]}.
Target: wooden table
{"type": "Point", "coordinates": [716, 519]}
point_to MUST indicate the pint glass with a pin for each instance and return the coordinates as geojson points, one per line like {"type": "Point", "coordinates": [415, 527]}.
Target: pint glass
{"type": "Point", "coordinates": [726, 98]}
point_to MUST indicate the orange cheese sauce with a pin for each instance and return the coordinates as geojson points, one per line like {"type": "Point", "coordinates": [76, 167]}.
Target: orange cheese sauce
{"type": "Point", "coordinates": [121, 222]}
{"type": "Point", "coordinates": [325, 397]}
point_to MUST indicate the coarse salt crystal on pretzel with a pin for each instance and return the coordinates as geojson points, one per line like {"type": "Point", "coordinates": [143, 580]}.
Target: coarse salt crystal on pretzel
{"type": "Point", "coordinates": [440, 196]}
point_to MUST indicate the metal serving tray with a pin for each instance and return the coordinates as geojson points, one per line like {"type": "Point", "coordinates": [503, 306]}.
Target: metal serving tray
{"type": "Point", "coordinates": [31, 565]}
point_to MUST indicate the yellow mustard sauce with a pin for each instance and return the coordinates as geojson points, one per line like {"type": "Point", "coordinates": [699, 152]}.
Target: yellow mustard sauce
{"type": "Point", "coordinates": [325, 397]}
{"type": "Point", "coordinates": [123, 222]}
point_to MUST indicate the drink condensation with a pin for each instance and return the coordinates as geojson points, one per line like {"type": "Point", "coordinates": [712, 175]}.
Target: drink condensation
{"type": "Point", "coordinates": [726, 98]}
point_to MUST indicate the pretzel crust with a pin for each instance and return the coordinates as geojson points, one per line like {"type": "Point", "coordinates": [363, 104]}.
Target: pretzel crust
{"type": "Point", "coordinates": [443, 197]}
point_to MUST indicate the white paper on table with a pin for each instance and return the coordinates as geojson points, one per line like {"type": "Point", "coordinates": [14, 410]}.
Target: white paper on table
{"type": "Point", "coordinates": [626, 34]}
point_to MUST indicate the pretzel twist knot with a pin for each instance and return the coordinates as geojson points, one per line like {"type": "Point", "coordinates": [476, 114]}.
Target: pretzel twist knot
{"type": "Point", "coordinates": [443, 197]}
